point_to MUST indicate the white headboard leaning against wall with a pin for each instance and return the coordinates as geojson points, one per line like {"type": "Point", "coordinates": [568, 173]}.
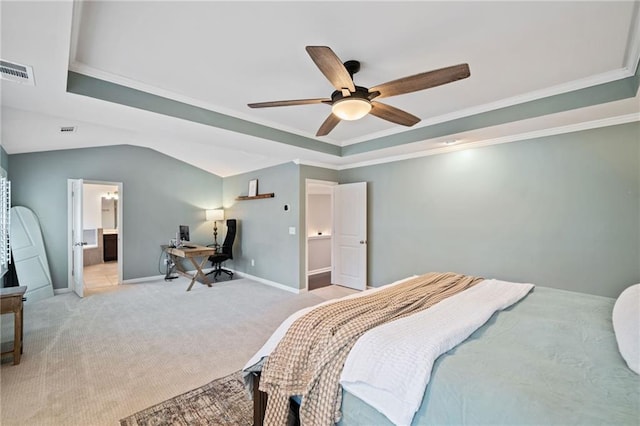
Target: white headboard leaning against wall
{"type": "Point", "coordinates": [5, 222]}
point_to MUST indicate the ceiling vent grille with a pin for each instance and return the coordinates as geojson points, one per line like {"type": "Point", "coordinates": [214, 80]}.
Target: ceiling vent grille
{"type": "Point", "coordinates": [67, 129]}
{"type": "Point", "coordinates": [22, 74]}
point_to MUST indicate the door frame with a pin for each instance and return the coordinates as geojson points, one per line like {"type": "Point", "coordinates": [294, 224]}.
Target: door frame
{"type": "Point", "coordinates": [309, 182]}
{"type": "Point", "coordinates": [70, 227]}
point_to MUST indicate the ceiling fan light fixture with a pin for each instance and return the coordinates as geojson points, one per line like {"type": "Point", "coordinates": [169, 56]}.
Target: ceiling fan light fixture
{"type": "Point", "coordinates": [351, 108]}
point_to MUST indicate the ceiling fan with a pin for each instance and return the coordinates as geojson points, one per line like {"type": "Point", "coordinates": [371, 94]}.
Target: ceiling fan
{"type": "Point", "coordinates": [351, 102]}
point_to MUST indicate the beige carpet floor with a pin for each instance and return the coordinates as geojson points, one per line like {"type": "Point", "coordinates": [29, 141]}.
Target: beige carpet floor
{"type": "Point", "coordinates": [96, 360]}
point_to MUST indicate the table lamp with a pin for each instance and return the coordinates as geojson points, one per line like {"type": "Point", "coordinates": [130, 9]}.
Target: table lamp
{"type": "Point", "coordinates": [215, 215]}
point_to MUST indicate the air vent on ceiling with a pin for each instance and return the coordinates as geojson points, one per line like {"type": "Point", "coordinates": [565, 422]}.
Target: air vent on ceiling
{"type": "Point", "coordinates": [18, 73]}
{"type": "Point", "coordinates": [67, 129]}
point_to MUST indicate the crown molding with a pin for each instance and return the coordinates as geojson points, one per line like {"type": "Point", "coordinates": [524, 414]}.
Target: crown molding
{"type": "Point", "coordinates": [81, 68]}
{"type": "Point", "coordinates": [540, 94]}
{"type": "Point", "coordinates": [571, 86]}
{"type": "Point", "coordinates": [322, 165]}
{"type": "Point", "coordinates": [572, 128]}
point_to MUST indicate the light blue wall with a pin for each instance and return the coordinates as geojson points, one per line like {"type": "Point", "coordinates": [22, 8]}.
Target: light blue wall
{"type": "Point", "coordinates": [263, 224]}
{"type": "Point", "coordinates": [561, 211]}
{"type": "Point", "coordinates": [263, 227]}
{"type": "Point", "coordinates": [159, 193]}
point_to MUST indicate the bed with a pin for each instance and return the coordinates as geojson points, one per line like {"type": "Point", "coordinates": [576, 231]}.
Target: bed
{"type": "Point", "coordinates": [550, 358]}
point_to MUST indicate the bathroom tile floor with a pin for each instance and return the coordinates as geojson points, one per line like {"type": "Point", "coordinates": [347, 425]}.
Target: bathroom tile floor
{"type": "Point", "coordinates": [101, 275]}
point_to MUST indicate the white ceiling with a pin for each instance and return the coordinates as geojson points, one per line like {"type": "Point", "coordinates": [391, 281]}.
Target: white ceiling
{"type": "Point", "coordinates": [223, 55]}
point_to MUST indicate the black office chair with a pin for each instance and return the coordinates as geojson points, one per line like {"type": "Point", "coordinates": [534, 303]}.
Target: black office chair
{"type": "Point", "coordinates": [226, 252]}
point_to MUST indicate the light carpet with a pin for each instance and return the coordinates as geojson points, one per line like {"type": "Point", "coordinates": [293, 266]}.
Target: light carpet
{"type": "Point", "coordinates": [96, 360]}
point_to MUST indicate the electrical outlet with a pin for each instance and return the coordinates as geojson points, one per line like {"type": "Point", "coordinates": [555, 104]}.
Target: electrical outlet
{"type": "Point", "coordinates": [253, 262]}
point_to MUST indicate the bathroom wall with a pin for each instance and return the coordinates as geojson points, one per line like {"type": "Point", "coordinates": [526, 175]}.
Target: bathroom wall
{"type": "Point", "coordinates": [319, 232]}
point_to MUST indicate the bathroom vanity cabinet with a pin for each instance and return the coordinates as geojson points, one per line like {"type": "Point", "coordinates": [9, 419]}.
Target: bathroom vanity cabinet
{"type": "Point", "coordinates": [110, 247]}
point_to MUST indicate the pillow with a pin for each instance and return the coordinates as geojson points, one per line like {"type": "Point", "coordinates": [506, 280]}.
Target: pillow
{"type": "Point", "coordinates": [626, 325]}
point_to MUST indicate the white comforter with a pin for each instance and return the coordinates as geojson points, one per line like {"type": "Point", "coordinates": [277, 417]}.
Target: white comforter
{"type": "Point", "coordinates": [389, 367]}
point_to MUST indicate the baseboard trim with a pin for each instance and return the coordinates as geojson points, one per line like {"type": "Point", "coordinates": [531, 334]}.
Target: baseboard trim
{"type": "Point", "coordinates": [269, 283]}
{"type": "Point", "coordinates": [240, 274]}
{"type": "Point", "coordinates": [319, 271]}
{"type": "Point", "coordinates": [57, 291]}
{"type": "Point", "coordinates": [157, 277]}
{"type": "Point", "coordinates": [143, 279]}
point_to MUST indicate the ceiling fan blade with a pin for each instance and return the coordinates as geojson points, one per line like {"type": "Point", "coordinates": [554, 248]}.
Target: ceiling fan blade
{"type": "Point", "coordinates": [393, 114]}
{"type": "Point", "coordinates": [331, 66]}
{"type": "Point", "coordinates": [328, 125]}
{"type": "Point", "coordinates": [290, 103]}
{"type": "Point", "coordinates": [422, 81]}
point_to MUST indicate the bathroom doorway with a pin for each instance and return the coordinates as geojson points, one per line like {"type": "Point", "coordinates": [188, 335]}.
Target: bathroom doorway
{"type": "Point", "coordinates": [100, 236]}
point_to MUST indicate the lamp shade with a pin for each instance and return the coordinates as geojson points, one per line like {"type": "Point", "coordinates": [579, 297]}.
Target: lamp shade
{"type": "Point", "coordinates": [217, 214]}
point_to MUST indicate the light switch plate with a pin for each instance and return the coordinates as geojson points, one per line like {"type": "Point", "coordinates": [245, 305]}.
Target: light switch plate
{"type": "Point", "coordinates": [292, 230]}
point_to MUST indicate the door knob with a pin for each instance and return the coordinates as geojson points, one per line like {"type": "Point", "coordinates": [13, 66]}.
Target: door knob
{"type": "Point", "coordinates": [363, 241]}
{"type": "Point", "coordinates": [81, 243]}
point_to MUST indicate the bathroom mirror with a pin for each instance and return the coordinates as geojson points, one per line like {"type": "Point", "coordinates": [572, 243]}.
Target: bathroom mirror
{"type": "Point", "coordinates": [109, 213]}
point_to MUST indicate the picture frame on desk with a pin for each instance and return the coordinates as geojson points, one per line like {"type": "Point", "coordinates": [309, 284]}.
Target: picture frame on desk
{"type": "Point", "coordinates": [253, 188]}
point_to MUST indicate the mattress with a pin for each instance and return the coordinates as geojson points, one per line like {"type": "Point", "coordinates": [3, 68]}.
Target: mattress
{"type": "Point", "coordinates": [550, 359]}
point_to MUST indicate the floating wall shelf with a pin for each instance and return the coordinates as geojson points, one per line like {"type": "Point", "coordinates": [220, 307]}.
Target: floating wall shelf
{"type": "Point", "coordinates": [256, 197]}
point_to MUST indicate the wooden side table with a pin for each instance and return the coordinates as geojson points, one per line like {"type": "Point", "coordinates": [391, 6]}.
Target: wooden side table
{"type": "Point", "coordinates": [11, 301]}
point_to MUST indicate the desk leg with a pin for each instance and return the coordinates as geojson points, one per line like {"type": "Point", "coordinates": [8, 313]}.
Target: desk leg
{"type": "Point", "coordinates": [199, 272]}
{"type": "Point", "coordinates": [177, 261]}
{"type": "Point", "coordinates": [17, 337]}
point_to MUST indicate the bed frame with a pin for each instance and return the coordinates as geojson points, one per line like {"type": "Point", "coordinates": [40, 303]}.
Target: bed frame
{"type": "Point", "coordinates": [260, 405]}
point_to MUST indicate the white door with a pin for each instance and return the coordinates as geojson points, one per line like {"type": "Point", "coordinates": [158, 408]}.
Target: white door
{"type": "Point", "coordinates": [77, 245]}
{"type": "Point", "coordinates": [349, 264]}
{"type": "Point", "coordinates": [29, 256]}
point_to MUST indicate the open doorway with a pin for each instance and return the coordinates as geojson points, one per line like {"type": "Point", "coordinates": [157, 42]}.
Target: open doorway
{"type": "Point", "coordinates": [319, 226]}
{"type": "Point", "coordinates": [100, 231]}
{"type": "Point", "coordinates": [98, 263]}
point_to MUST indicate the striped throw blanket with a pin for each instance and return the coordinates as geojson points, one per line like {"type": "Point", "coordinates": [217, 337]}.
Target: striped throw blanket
{"type": "Point", "coordinates": [310, 357]}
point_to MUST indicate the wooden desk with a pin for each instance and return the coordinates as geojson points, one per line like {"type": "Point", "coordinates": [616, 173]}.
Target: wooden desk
{"type": "Point", "coordinates": [11, 301]}
{"type": "Point", "coordinates": [178, 253]}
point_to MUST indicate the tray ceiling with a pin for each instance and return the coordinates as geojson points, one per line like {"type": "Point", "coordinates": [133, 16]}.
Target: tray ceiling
{"type": "Point", "coordinates": [219, 56]}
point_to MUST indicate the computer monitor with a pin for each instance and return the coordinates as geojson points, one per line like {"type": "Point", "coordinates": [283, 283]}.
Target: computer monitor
{"type": "Point", "coordinates": [184, 233]}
